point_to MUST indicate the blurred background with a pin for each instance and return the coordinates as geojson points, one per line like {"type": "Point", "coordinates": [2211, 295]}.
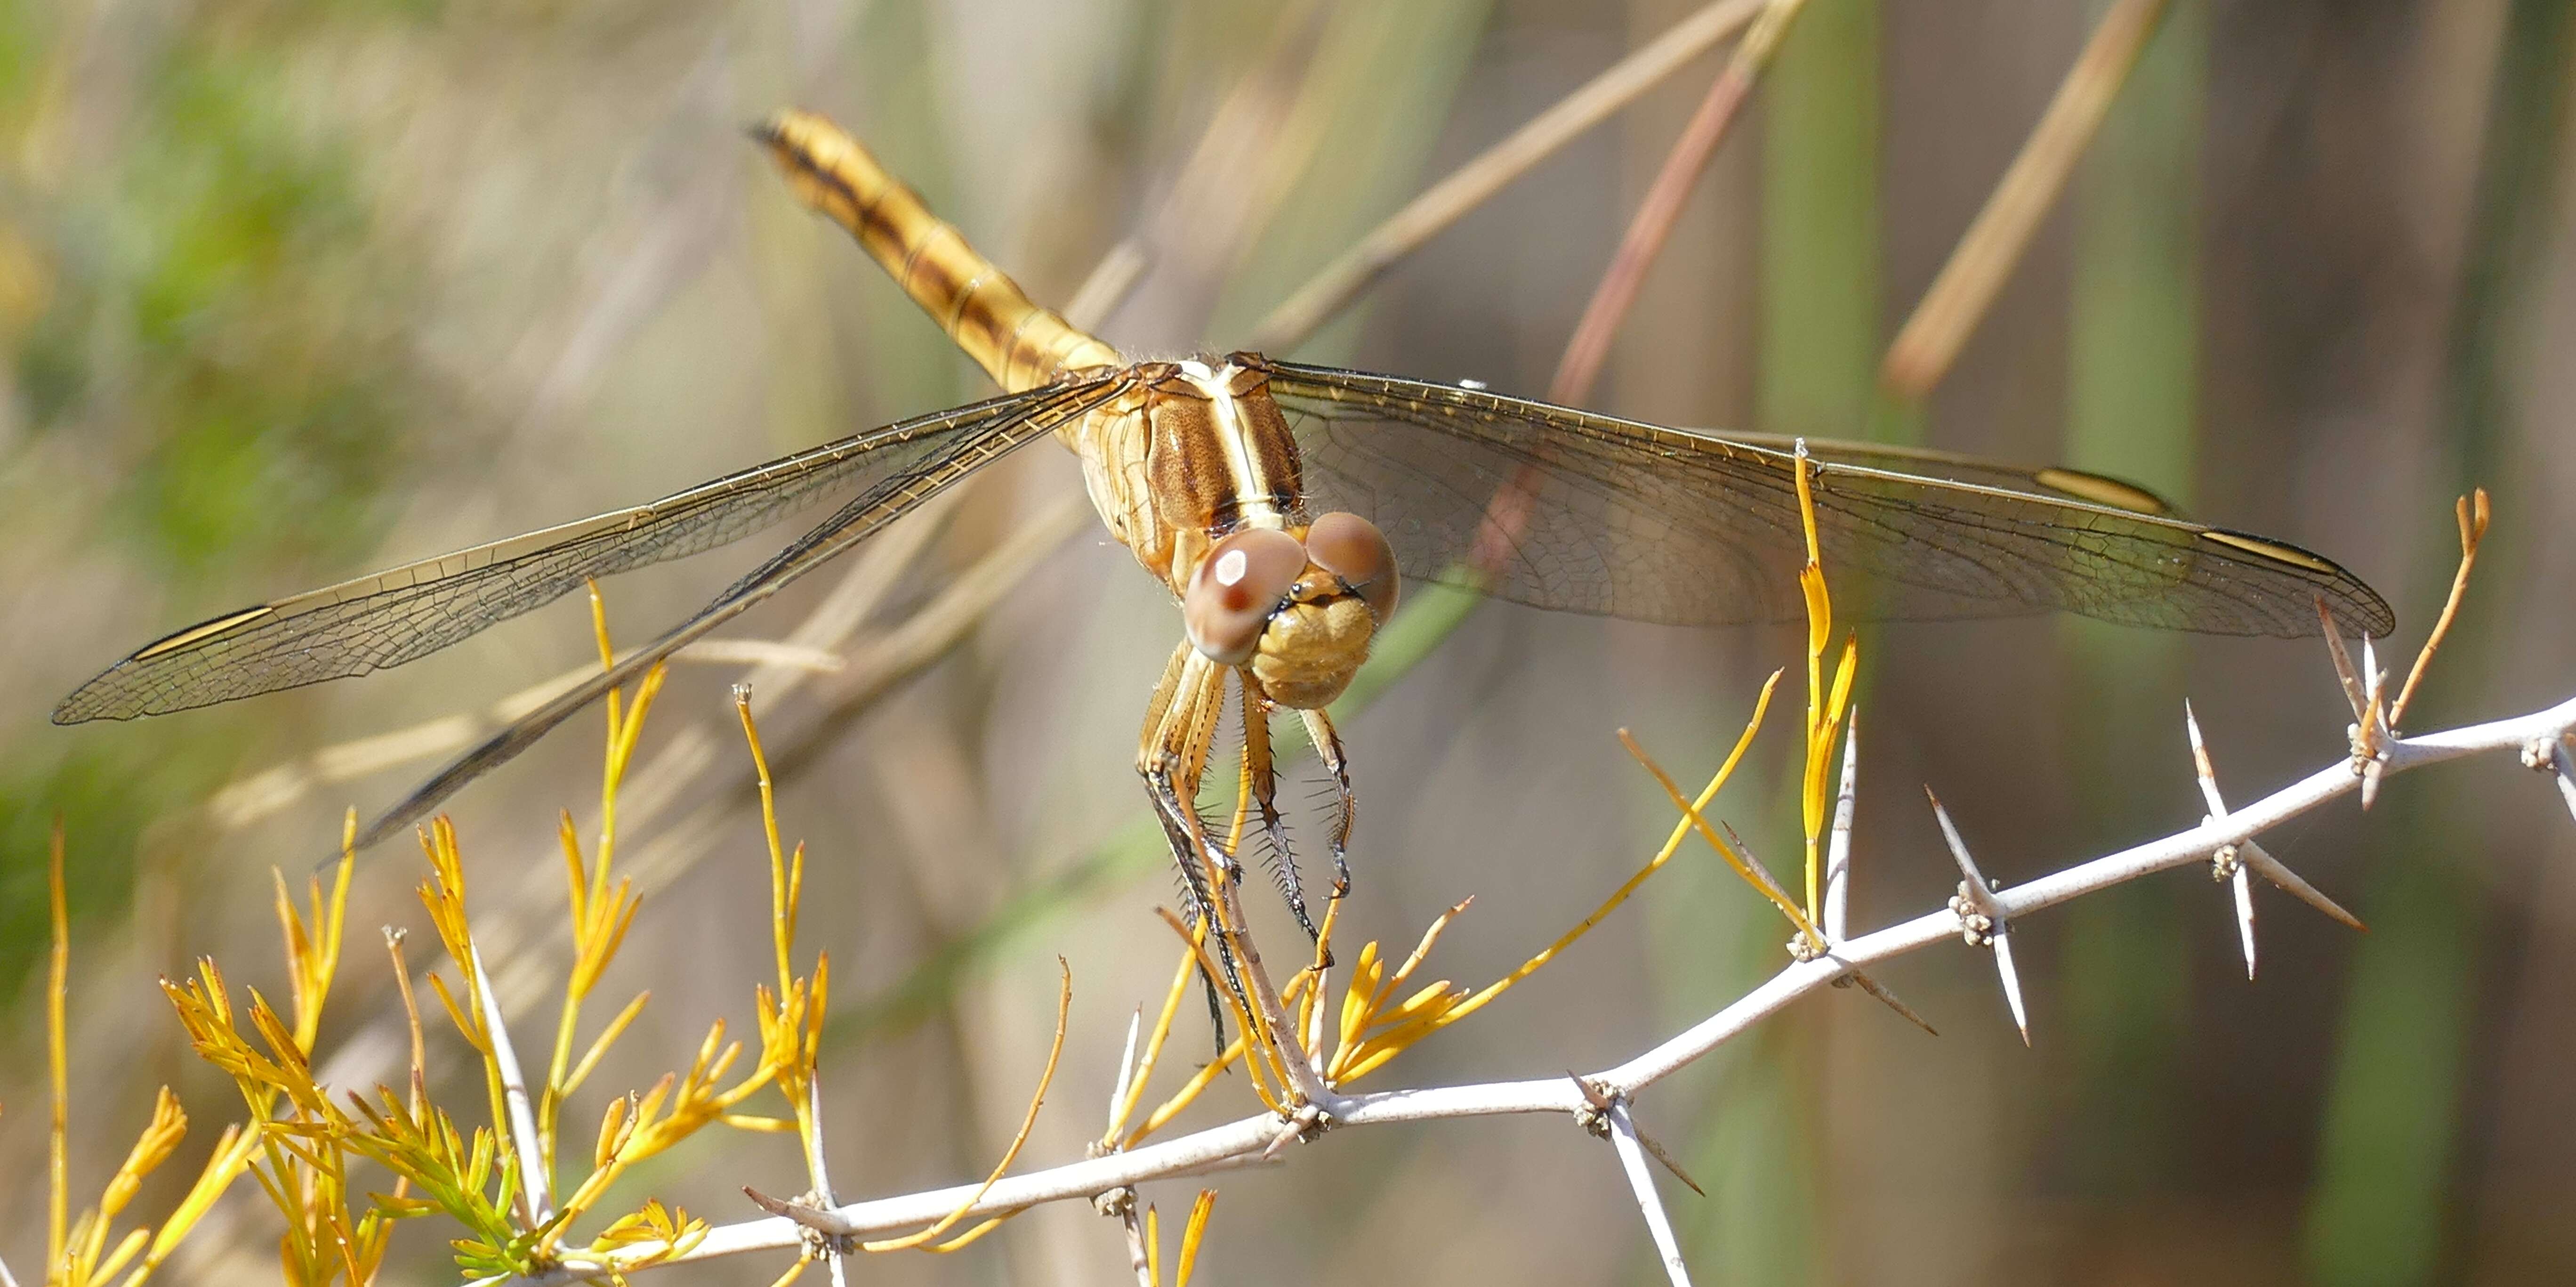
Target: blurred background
{"type": "Point", "coordinates": [297, 288]}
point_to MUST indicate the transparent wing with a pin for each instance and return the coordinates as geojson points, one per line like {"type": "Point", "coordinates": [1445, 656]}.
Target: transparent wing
{"type": "Point", "coordinates": [409, 612]}
{"type": "Point", "coordinates": [1567, 510]}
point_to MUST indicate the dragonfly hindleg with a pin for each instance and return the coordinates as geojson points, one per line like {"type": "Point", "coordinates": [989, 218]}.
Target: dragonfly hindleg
{"type": "Point", "coordinates": [1261, 783]}
{"type": "Point", "coordinates": [1328, 745]}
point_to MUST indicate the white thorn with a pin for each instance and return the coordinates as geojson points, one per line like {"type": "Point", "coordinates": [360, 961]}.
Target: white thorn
{"type": "Point", "coordinates": [1838, 848]}
{"type": "Point", "coordinates": [2012, 983]}
{"type": "Point", "coordinates": [1126, 1068]}
{"type": "Point", "coordinates": [2200, 764]}
{"type": "Point", "coordinates": [2245, 913]}
{"type": "Point", "coordinates": [2254, 855]}
{"type": "Point", "coordinates": [1979, 892]}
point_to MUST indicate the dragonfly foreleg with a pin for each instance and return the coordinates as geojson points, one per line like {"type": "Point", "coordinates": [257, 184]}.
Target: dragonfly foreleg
{"type": "Point", "coordinates": [1261, 780]}
{"type": "Point", "coordinates": [1328, 746]}
{"type": "Point", "coordinates": [1180, 830]}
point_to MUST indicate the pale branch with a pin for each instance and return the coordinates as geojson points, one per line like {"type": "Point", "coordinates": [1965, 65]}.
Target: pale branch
{"type": "Point", "coordinates": [536, 1186]}
{"type": "Point", "coordinates": [2539, 738]}
{"type": "Point", "coordinates": [1632, 1161]}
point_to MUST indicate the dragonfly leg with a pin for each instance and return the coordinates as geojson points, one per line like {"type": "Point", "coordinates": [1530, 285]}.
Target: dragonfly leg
{"type": "Point", "coordinates": [1328, 745]}
{"type": "Point", "coordinates": [1171, 756]}
{"type": "Point", "coordinates": [1261, 779]}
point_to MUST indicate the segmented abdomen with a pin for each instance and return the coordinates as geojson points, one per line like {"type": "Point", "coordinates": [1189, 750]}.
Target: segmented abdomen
{"type": "Point", "coordinates": [1020, 344]}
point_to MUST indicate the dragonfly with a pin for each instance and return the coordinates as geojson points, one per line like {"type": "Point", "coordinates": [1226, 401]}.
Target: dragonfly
{"type": "Point", "coordinates": [1284, 505]}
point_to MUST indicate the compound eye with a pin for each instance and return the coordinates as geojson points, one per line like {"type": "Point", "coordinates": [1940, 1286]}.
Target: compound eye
{"type": "Point", "coordinates": [1351, 547]}
{"type": "Point", "coordinates": [1240, 583]}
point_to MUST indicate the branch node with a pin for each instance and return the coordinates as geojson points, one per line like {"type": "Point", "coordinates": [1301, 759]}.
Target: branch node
{"type": "Point", "coordinates": [816, 1227]}
{"type": "Point", "coordinates": [1309, 1121]}
{"type": "Point", "coordinates": [1981, 917]}
{"type": "Point", "coordinates": [2226, 863]}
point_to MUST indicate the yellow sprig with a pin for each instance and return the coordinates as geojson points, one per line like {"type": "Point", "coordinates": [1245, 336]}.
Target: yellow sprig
{"type": "Point", "coordinates": [1191, 1235]}
{"type": "Point", "coordinates": [1826, 708]}
{"type": "Point", "coordinates": [1063, 1008]}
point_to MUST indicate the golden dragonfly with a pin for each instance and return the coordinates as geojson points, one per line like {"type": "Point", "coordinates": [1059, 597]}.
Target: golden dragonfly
{"type": "Point", "coordinates": [1284, 505]}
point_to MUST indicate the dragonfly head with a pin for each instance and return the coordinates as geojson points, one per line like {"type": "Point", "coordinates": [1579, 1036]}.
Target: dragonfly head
{"type": "Point", "coordinates": [1299, 609]}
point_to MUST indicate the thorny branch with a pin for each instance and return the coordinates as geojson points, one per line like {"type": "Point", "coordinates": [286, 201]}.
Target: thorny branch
{"type": "Point", "coordinates": [1246, 1141]}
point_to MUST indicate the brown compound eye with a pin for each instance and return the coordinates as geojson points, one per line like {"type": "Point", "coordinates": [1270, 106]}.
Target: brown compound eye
{"type": "Point", "coordinates": [1238, 585]}
{"type": "Point", "coordinates": [1351, 547]}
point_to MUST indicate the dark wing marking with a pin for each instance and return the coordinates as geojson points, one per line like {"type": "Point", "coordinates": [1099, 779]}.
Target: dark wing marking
{"type": "Point", "coordinates": [2053, 482]}
{"type": "Point", "coordinates": [410, 612]}
{"type": "Point", "coordinates": [1656, 524]}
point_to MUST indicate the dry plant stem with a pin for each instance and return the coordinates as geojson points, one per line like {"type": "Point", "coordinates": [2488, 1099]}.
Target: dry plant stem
{"type": "Point", "coordinates": [1632, 1160]}
{"type": "Point", "coordinates": [1968, 283]}
{"type": "Point", "coordinates": [1140, 1256]}
{"type": "Point", "coordinates": [1472, 184]}
{"type": "Point", "coordinates": [1662, 208]}
{"type": "Point", "coordinates": [411, 1013]}
{"type": "Point", "coordinates": [2473, 514]}
{"type": "Point", "coordinates": [1243, 1141]}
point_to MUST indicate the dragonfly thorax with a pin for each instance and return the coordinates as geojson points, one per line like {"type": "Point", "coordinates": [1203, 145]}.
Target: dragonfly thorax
{"type": "Point", "coordinates": [1295, 600]}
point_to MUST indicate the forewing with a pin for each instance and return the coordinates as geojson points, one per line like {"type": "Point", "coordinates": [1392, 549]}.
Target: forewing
{"type": "Point", "coordinates": [1627, 519]}
{"type": "Point", "coordinates": [936, 462]}
{"type": "Point", "coordinates": [409, 612]}
{"type": "Point", "coordinates": [2050, 482]}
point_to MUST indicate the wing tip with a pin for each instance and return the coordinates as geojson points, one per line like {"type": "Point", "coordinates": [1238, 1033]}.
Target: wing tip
{"type": "Point", "coordinates": [88, 703]}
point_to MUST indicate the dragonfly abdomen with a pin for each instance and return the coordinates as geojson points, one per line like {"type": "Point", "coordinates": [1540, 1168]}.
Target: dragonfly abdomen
{"type": "Point", "coordinates": [1018, 343]}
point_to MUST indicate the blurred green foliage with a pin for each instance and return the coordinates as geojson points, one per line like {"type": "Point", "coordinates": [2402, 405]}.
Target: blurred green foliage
{"type": "Point", "coordinates": [209, 368]}
{"type": "Point", "coordinates": [2382, 1213]}
{"type": "Point", "coordinates": [2133, 394]}
{"type": "Point", "coordinates": [218, 327]}
{"type": "Point", "coordinates": [1821, 331]}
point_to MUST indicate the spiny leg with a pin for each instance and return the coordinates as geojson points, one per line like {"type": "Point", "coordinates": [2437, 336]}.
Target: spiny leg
{"type": "Point", "coordinates": [1180, 722]}
{"type": "Point", "coordinates": [1328, 746]}
{"type": "Point", "coordinates": [1261, 775]}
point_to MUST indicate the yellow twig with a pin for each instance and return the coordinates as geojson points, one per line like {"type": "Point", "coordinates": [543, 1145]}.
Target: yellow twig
{"type": "Point", "coordinates": [1694, 819]}
{"type": "Point", "coordinates": [1189, 1091]}
{"type": "Point", "coordinates": [1242, 1012]}
{"type": "Point", "coordinates": [1063, 1007]}
{"type": "Point", "coordinates": [1192, 1233]}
